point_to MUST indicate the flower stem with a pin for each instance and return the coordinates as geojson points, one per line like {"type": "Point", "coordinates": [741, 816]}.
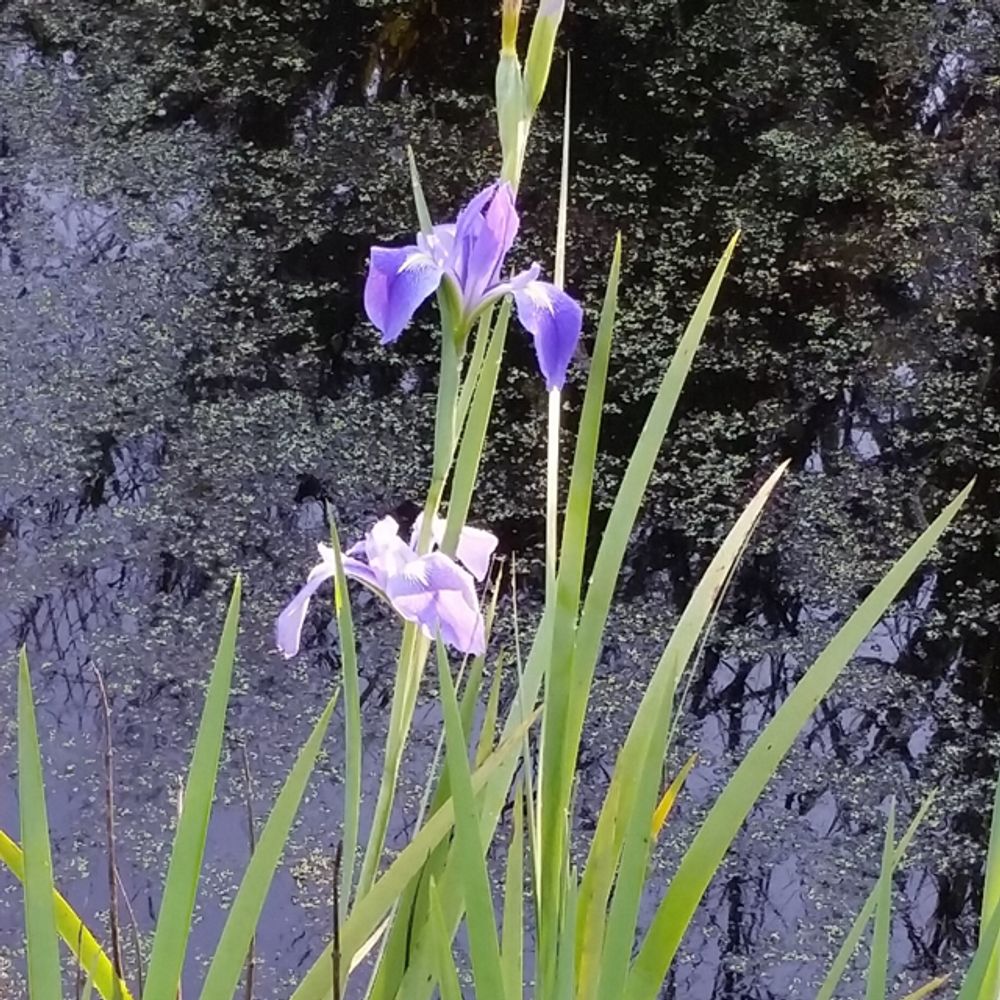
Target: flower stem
{"type": "Point", "coordinates": [444, 427]}
{"type": "Point", "coordinates": [552, 496]}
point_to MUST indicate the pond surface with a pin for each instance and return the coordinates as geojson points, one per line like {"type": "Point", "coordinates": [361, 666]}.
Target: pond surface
{"type": "Point", "coordinates": [187, 196]}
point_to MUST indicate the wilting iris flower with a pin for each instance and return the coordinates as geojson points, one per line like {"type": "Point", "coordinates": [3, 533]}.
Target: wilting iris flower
{"type": "Point", "coordinates": [469, 256]}
{"type": "Point", "coordinates": [431, 590]}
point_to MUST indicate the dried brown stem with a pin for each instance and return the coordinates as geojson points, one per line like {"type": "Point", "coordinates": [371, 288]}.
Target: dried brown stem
{"type": "Point", "coordinates": [79, 964]}
{"type": "Point", "coordinates": [335, 953]}
{"type": "Point", "coordinates": [134, 926]}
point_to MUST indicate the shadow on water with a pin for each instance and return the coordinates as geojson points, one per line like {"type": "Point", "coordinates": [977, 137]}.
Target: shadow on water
{"type": "Point", "coordinates": [186, 203]}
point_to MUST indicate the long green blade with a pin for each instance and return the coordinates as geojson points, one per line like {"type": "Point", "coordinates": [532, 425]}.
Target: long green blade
{"type": "Point", "coordinates": [853, 937]}
{"type": "Point", "coordinates": [409, 670]}
{"type": "Point", "coordinates": [991, 897]}
{"type": "Point", "coordinates": [581, 482]}
{"type": "Point", "coordinates": [630, 495]}
{"type": "Point", "coordinates": [397, 954]}
{"type": "Point", "coordinates": [44, 976]}
{"type": "Point", "coordinates": [559, 738]}
{"type": "Point", "coordinates": [709, 846]}
{"type": "Point", "coordinates": [173, 925]}
{"type": "Point", "coordinates": [565, 958]}
{"type": "Point", "coordinates": [878, 961]}
{"type": "Point", "coordinates": [352, 720]}
{"type": "Point", "coordinates": [573, 664]}
{"type": "Point", "coordinates": [485, 944]}
{"type": "Point", "coordinates": [230, 954]}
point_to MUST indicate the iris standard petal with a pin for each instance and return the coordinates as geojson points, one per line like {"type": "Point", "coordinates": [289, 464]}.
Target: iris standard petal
{"type": "Point", "coordinates": [487, 252]}
{"type": "Point", "coordinates": [469, 227]}
{"type": "Point", "coordinates": [440, 244]}
{"type": "Point", "coordinates": [470, 218]}
{"type": "Point", "coordinates": [289, 627]}
{"type": "Point", "coordinates": [385, 551]}
{"type": "Point", "coordinates": [399, 279]}
{"type": "Point", "coordinates": [474, 549]}
{"type": "Point", "coordinates": [437, 532]}
{"type": "Point", "coordinates": [555, 320]}
{"type": "Point", "coordinates": [435, 592]}
{"type": "Point", "coordinates": [357, 570]}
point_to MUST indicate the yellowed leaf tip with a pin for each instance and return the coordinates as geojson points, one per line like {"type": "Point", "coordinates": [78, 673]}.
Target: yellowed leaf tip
{"type": "Point", "coordinates": [663, 810]}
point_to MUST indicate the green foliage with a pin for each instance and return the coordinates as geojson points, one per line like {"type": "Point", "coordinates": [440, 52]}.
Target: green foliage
{"type": "Point", "coordinates": [45, 909]}
{"type": "Point", "coordinates": [44, 979]}
{"type": "Point", "coordinates": [173, 924]}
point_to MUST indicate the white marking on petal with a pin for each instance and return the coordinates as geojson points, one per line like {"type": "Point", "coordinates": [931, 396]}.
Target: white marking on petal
{"type": "Point", "coordinates": [539, 295]}
{"type": "Point", "coordinates": [413, 260]}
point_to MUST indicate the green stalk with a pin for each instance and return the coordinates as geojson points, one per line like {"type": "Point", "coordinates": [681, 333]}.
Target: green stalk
{"type": "Point", "coordinates": [352, 721]}
{"type": "Point", "coordinates": [878, 960]}
{"type": "Point", "coordinates": [444, 425]}
{"type": "Point", "coordinates": [552, 495]}
{"type": "Point", "coordinates": [414, 648]}
{"type": "Point", "coordinates": [553, 816]}
{"type": "Point", "coordinates": [42, 945]}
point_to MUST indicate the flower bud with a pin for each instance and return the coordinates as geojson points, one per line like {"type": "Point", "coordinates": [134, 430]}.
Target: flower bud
{"type": "Point", "coordinates": [510, 113]}
{"type": "Point", "coordinates": [540, 49]}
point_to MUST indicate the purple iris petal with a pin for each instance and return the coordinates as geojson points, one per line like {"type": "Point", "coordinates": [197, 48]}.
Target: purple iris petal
{"type": "Point", "coordinates": [292, 618]}
{"type": "Point", "coordinates": [470, 254]}
{"type": "Point", "coordinates": [385, 551]}
{"type": "Point", "coordinates": [470, 220]}
{"type": "Point", "coordinates": [439, 595]}
{"type": "Point", "coordinates": [431, 590]}
{"type": "Point", "coordinates": [474, 549]}
{"type": "Point", "coordinates": [398, 282]}
{"type": "Point", "coordinates": [494, 238]}
{"type": "Point", "coordinates": [290, 621]}
{"type": "Point", "coordinates": [555, 320]}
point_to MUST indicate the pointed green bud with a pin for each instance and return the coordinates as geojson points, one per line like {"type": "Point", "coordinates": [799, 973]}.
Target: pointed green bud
{"type": "Point", "coordinates": [510, 114]}
{"type": "Point", "coordinates": [540, 49]}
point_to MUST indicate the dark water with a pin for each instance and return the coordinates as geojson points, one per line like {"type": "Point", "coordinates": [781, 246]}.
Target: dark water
{"type": "Point", "coordinates": [186, 201]}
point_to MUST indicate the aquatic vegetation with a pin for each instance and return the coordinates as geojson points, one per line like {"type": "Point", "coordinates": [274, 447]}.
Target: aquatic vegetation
{"type": "Point", "coordinates": [587, 941]}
